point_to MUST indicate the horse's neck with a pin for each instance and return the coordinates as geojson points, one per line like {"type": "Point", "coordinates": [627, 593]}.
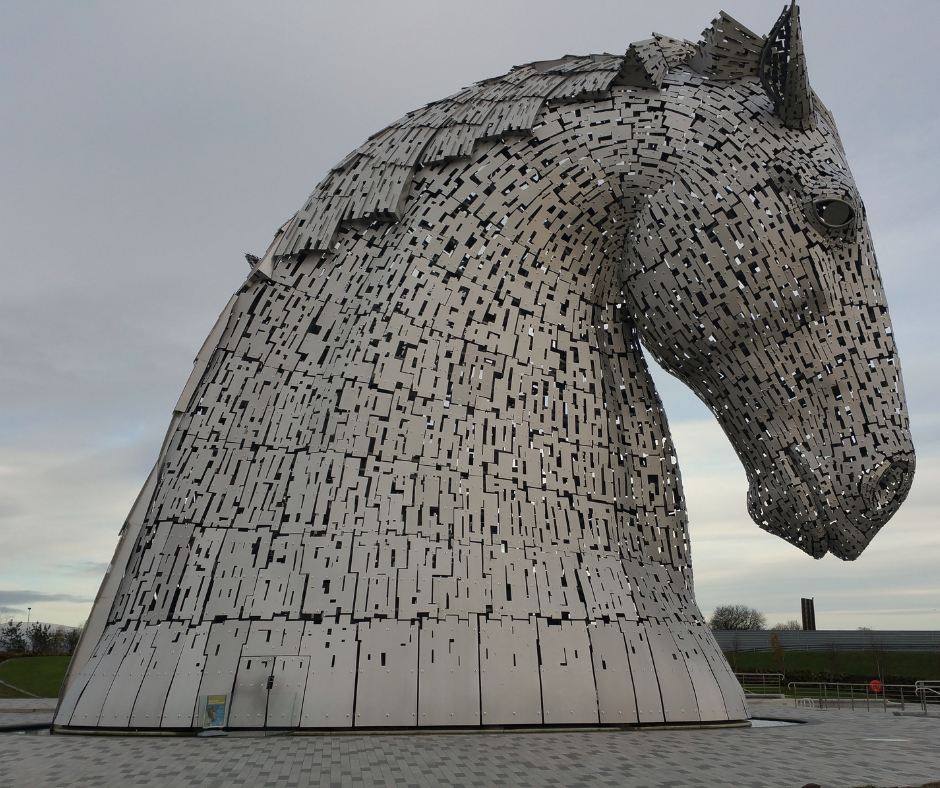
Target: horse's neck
{"type": "Point", "coordinates": [486, 325]}
{"type": "Point", "coordinates": [462, 377]}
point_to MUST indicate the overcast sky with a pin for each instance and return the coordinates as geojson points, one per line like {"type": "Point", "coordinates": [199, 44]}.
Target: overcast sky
{"type": "Point", "coordinates": [145, 147]}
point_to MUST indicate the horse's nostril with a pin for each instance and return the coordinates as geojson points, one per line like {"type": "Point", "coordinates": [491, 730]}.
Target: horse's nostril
{"type": "Point", "coordinates": [888, 484]}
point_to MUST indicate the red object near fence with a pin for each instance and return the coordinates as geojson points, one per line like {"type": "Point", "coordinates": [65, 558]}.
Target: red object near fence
{"type": "Point", "coordinates": [876, 686]}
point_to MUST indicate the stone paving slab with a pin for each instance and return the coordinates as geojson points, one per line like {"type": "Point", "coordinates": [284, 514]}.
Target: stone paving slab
{"type": "Point", "coordinates": [14, 721]}
{"type": "Point", "coordinates": [8, 705]}
{"type": "Point", "coordinates": [18, 712]}
{"type": "Point", "coordinates": [837, 749]}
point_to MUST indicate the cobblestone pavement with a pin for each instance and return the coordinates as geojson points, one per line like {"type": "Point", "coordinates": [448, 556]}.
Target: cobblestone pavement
{"type": "Point", "coordinates": [836, 749]}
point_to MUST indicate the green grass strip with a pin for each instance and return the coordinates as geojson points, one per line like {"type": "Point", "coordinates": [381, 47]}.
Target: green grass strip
{"type": "Point", "coordinates": [41, 676]}
{"type": "Point", "coordinates": [898, 667]}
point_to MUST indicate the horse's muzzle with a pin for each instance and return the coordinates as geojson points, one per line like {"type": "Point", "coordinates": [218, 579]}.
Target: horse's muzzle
{"type": "Point", "coordinates": [886, 487]}
{"type": "Point", "coordinates": [799, 503]}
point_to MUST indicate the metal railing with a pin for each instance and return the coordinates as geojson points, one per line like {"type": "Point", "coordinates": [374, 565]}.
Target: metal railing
{"type": "Point", "coordinates": [835, 695]}
{"type": "Point", "coordinates": [760, 683]}
{"type": "Point", "coordinates": [929, 692]}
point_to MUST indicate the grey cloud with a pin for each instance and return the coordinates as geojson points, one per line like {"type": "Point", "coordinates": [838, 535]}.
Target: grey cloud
{"type": "Point", "coordinates": [23, 597]}
{"type": "Point", "coordinates": [94, 569]}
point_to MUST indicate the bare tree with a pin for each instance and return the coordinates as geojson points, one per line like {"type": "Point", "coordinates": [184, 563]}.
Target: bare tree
{"type": "Point", "coordinates": [737, 617]}
{"type": "Point", "coordinates": [879, 650]}
{"type": "Point", "coordinates": [779, 652]}
{"type": "Point", "coordinates": [735, 648]}
{"type": "Point", "coordinates": [787, 626]}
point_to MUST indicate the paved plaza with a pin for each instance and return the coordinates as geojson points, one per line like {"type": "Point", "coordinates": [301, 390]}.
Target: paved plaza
{"type": "Point", "coordinates": [837, 749]}
{"type": "Point", "coordinates": [26, 712]}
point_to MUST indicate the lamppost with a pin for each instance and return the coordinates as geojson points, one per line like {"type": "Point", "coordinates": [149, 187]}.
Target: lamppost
{"type": "Point", "coordinates": [29, 612]}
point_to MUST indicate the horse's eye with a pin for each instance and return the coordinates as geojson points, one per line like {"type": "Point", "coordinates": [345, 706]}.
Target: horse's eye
{"type": "Point", "coordinates": [834, 213]}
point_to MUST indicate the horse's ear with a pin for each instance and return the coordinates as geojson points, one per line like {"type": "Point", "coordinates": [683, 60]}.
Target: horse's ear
{"type": "Point", "coordinates": [728, 50]}
{"type": "Point", "coordinates": [783, 72]}
{"type": "Point", "coordinates": [644, 66]}
{"type": "Point", "coordinates": [647, 62]}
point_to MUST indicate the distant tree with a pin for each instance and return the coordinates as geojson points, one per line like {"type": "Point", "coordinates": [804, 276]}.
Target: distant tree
{"type": "Point", "coordinates": [57, 642]}
{"type": "Point", "coordinates": [787, 626]}
{"type": "Point", "coordinates": [11, 634]}
{"type": "Point", "coordinates": [737, 617]}
{"type": "Point", "coordinates": [72, 638]}
{"type": "Point", "coordinates": [40, 637]}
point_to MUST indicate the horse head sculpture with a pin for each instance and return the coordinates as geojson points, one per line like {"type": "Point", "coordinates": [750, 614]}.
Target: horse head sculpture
{"type": "Point", "coordinates": [421, 475]}
{"type": "Point", "coordinates": [765, 298]}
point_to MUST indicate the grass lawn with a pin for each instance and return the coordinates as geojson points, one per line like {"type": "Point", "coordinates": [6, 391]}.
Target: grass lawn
{"type": "Point", "coordinates": [904, 667]}
{"type": "Point", "coordinates": [6, 692]}
{"type": "Point", "coordinates": [41, 676]}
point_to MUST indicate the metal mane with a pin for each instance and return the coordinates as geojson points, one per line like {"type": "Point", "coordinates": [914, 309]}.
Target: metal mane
{"type": "Point", "coordinates": [372, 181]}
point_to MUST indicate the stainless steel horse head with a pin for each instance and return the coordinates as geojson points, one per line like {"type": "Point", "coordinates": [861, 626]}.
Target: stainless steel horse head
{"type": "Point", "coordinates": [751, 276]}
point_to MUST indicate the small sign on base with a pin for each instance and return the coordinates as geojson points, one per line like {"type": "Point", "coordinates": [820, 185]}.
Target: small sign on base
{"type": "Point", "coordinates": [215, 711]}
